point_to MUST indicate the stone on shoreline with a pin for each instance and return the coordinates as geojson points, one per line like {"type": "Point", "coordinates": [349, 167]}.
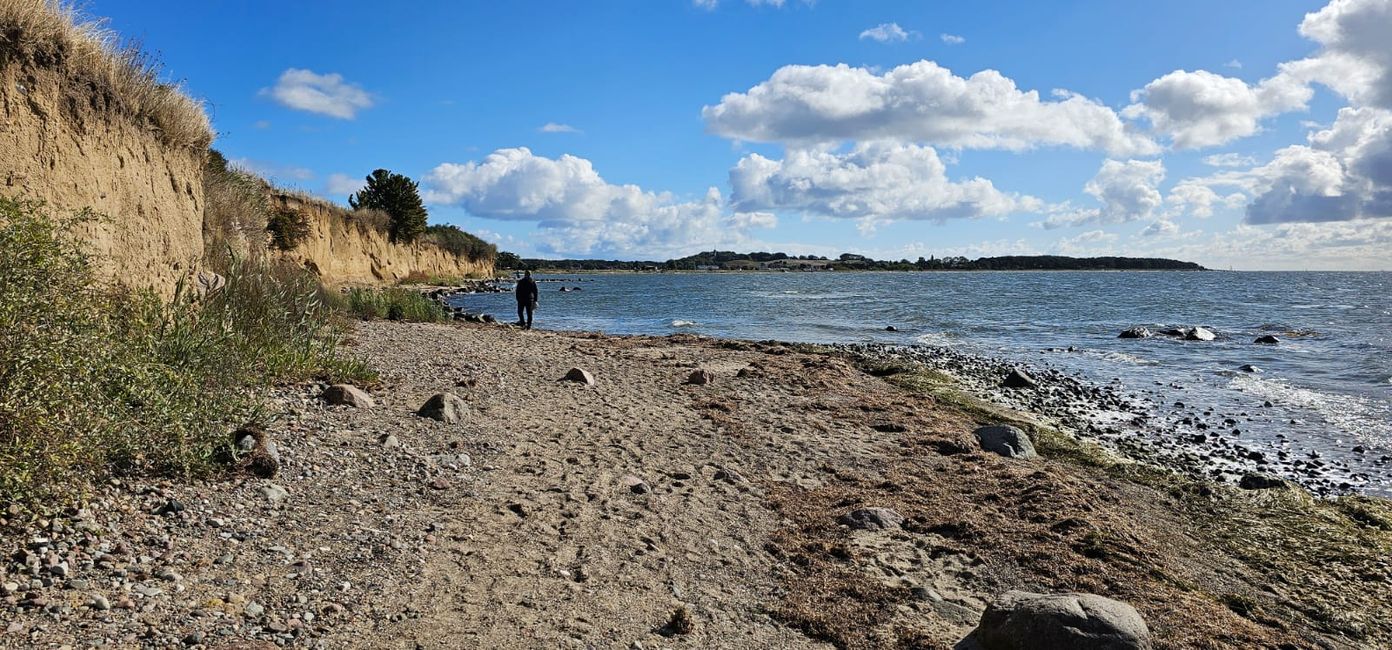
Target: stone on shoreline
{"type": "Point", "coordinates": [579, 375]}
{"type": "Point", "coordinates": [1006, 440]}
{"type": "Point", "coordinates": [700, 377]}
{"type": "Point", "coordinates": [348, 395]}
{"type": "Point", "coordinates": [1020, 620]}
{"type": "Point", "coordinates": [1018, 379]}
{"type": "Point", "coordinates": [1253, 481]}
{"type": "Point", "coordinates": [872, 519]}
{"type": "Point", "coordinates": [444, 407]}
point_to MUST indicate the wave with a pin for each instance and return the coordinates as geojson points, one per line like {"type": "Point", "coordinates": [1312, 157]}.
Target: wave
{"type": "Point", "coordinates": [1355, 415]}
{"type": "Point", "coordinates": [936, 339]}
{"type": "Point", "coordinates": [683, 323]}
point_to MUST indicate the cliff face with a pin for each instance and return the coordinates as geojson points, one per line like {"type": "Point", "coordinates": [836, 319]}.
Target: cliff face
{"type": "Point", "coordinates": [59, 144]}
{"type": "Point", "coordinates": [343, 252]}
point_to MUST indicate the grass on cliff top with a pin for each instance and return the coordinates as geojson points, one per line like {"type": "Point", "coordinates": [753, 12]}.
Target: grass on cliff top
{"type": "Point", "coordinates": [392, 304]}
{"type": "Point", "coordinates": [52, 35]}
{"type": "Point", "coordinates": [97, 380]}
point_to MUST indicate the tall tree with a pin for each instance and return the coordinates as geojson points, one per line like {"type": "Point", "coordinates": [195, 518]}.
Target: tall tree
{"type": "Point", "coordinates": [399, 197]}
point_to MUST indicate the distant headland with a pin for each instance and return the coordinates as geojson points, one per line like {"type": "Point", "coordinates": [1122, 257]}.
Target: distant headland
{"type": "Point", "coordinates": [760, 261]}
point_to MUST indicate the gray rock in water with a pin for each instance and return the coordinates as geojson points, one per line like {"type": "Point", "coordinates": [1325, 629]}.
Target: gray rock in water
{"type": "Point", "coordinates": [1006, 440]}
{"type": "Point", "coordinates": [580, 376]}
{"type": "Point", "coordinates": [700, 377]}
{"type": "Point", "coordinates": [891, 328]}
{"type": "Point", "coordinates": [1135, 333]}
{"type": "Point", "coordinates": [1199, 334]}
{"type": "Point", "coordinates": [348, 395]}
{"type": "Point", "coordinates": [1253, 481]}
{"type": "Point", "coordinates": [1247, 367]}
{"type": "Point", "coordinates": [1021, 620]}
{"type": "Point", "coordinates": [445, 407]}
{"type": "Point", "coordinates": [1267, 339]}
{"type": "Point", "coordinates": [1019, 379]}
{"type": "Point", "coordinates": [872, 519]}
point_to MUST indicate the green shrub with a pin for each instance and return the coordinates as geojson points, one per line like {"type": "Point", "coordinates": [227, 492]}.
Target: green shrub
{"type": "Point", "coordinates": [235, 211]}
{"type": "Point", "coordinates": [96, 380]}
{"type": "Point", "coordinates": [461, 243]}
{"type": "Point", "coordinates": [394, 304]}
{"type": "Point", "coordinates": [288, 227]}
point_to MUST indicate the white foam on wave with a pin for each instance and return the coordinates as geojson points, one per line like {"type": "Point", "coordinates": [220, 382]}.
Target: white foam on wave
{"type": "Point", "coordinates": [684, 323]}
{"type": "Point", "coordinates": [1357, 416]}
{"type": "Point", "coordinates": [937, 339]}
{"type": "Point", "coordinates": [1122, 357]}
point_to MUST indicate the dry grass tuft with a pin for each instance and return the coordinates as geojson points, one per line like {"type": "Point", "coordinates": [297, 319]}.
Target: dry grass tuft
{"type": "Point", "coordinates": [53, 35]}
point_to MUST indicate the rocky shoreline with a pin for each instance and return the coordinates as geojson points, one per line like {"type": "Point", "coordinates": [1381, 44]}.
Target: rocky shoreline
{"type": "Point", "coordinates": [581, 490]}
{"type": "Point", "coordinates": [1138, 424]}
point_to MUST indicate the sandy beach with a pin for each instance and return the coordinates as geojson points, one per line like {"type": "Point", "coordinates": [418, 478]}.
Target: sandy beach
{"type": "Point", "coordinates": [645, 511]}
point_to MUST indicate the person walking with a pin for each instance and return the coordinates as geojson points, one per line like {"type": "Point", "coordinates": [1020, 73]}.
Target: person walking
{"type": "Point", "coordinates": [526, 300]}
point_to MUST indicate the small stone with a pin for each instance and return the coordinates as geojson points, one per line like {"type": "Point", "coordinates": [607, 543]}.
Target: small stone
{"type": "Point", "coordinates": [9, 588]}
{"type": "Point", "coordinates": [579, 375]}
{"type": "Point", "coordinates": [100, 603]}
{"type": "Point", "coordinates": [872, 519]}
{"type": "Point", "coordinates": [168, 575]}
{"type": "Point", "coordinates": [193, 638]}
{"type": "Point", "coordinates": [389, 441]}
{"type": "Point", "coordinates": [636, 485]}
{"type": "Point", "coordinates": [440, 484]}
{"type": "Point", "coordinates": [444, 407]}
{"type": "Point", "coordinates": [1019, 379]}
{"type": "Point", "coordinates": [348, 395]}
{"type": "Point", "coordinates": [700, 377]}
{"type": "Point", "coordinates": [274, 493]}
{"type": "Point", "coordinates": [253, 609]}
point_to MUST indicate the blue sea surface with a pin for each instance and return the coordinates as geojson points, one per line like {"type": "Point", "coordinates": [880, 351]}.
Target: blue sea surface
{"type": "Point", "coordinates": [1329, 380]}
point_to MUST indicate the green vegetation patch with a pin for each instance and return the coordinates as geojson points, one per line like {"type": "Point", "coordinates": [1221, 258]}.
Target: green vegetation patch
{"type": "Point", "coordinates": [97, 380]}
{"type": "Point", "coordinates": [393, 304]}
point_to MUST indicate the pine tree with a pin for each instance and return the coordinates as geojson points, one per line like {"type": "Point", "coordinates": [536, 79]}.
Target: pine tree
{"type": "Point", "coordinates": [399, 197]}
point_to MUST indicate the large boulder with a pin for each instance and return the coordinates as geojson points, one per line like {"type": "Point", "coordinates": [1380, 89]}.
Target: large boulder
{"type": "Point", "coordinates": [1135, 333]}
{"type": "Point", "coordinates": [1254, 481]}
{"type": "Point", "coordinates": [445, 407]}
{"type": "Point", "coordinates": [1006, 440]}
{"type": "Point", "coordinates": [1018, 379]}
{"type": "Point", "coordinates": [872, 519]}
{"type": "Point", "coordinates": [1020, 620]}
{"type": "Point", "coordinates": [347, 395]}
{"type": "Point", "coordinates": [579, 375]}
{"type": "Point", "coordinates": [1199, 334]}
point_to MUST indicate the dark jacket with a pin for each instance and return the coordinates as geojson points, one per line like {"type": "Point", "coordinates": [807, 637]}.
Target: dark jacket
{"type": "Point", "coordinates": [526, 291]}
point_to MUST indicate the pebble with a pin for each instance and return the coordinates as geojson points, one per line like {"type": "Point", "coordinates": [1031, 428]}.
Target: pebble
{"type": "Point", "coordinates": [100, 603]}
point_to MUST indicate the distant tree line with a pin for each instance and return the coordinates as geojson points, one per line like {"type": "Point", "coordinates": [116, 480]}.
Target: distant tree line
{"type": "Point", "coordinates": [854, 262]}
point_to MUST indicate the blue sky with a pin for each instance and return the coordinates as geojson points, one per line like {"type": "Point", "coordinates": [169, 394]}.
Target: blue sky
{"type": "Point", "coordinates": [1252, 134]}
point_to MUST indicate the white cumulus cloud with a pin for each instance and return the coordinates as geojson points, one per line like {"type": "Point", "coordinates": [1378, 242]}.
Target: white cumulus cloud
{"type": "Point", "coordinates": [1203, 109]}
{"type": "Point", "coordinates": [578, 212]}
{"type": "Point", "coordinates": [921, 102]}
{"type": "Point", "coordinates": [875, 182]}
{"type": "Point", "coordinates": [1126, 191]}
{"type": "Point", "coordinates": [952, 39]}
{"type": "Point", "coordinates": [325, 94]}
{"type": "Point", "coordinates": [342, 185]}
